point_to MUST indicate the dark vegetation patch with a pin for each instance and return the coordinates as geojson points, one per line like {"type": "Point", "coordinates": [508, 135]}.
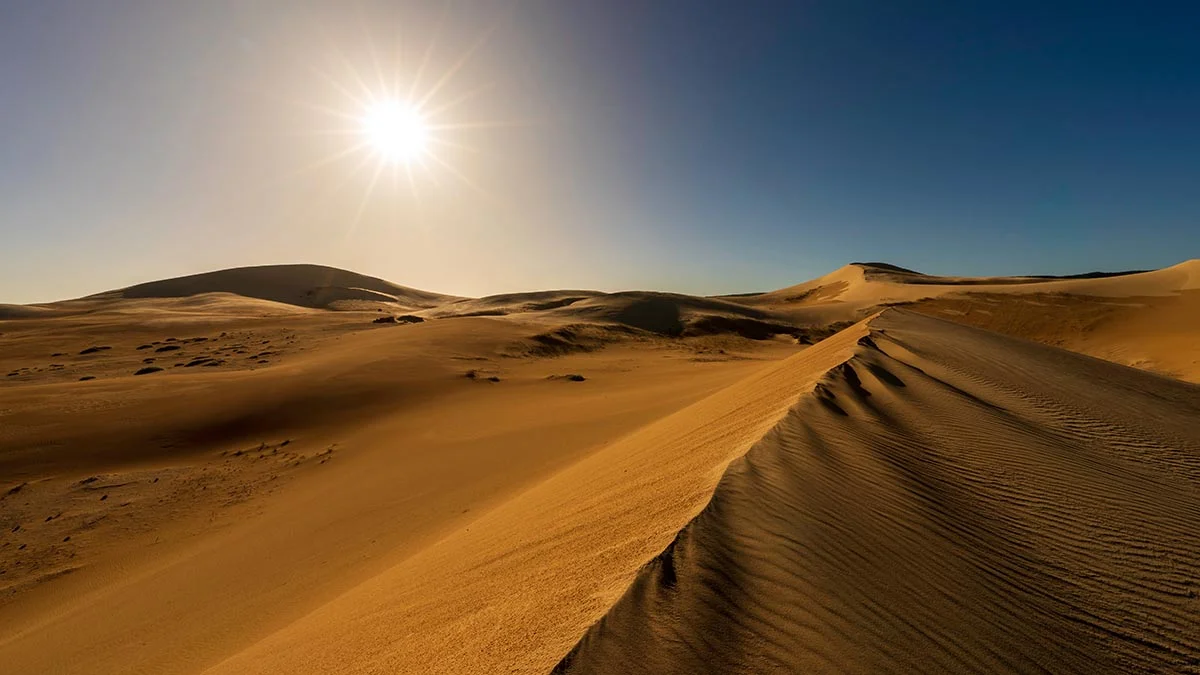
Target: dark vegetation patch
{"type": "Point", "coordinates": [404, 318]}
{"type": "Point", "coordinates": [147, 370]}
{"type": "Point", "coordinates": [478, 376]}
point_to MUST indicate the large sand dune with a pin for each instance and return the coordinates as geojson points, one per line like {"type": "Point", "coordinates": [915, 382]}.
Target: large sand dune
{"type": "Point", "coordinates": [946, 500]}
{"type": "Point", "coordinates": [290, 489]}
{"type": "Point", "coordinates": [301, 285]}
{"type": "Point", "coordinates": [1143, 319]}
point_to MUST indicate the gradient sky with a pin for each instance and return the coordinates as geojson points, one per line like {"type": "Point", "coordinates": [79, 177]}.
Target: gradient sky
{"type": "Point", "coordinates": [691, 146]}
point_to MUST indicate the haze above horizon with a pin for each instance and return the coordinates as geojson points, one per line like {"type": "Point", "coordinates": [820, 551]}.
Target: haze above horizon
{"type": "Point", "coordinates": [536, 144]}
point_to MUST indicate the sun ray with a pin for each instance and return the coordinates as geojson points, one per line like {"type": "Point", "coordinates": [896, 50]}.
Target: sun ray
{"type": "Point", "coordinates": [437, 33]}
{"type": "Point", "coordinates": [412, 182]}
{"type": "Point", "coordinates": [379, 75]}
{"type": "Point", "coordinates": [462, 61]}
{"type": "Point", "coordinates": [398, 116]}
{"type": "Point", "coordinates": [460, 175]}
{"type": "Point", "coordinates": [348, 66]}
{"type": "Point", "coordinates": [333, 82]}
{"type": "Point", "coordinates": [362, 203]}
{"type": "Point", "coordinates": [326, 132]}
{"type": "Point", "coordinates": [498, 124]}
{"type": "Point", "coordinates": [449, 105]}
{"type": "Point", "coordinates": [397, 59]}
{"type": "Point", "coordinates": [452, 144]}
{"type": "Point", "coordinates": [341, 154]}
{"type": "Point", "coordinates": [365, 161]}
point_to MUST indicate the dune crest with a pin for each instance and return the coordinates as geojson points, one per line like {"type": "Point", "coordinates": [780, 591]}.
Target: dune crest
{"type": "Point", "coordinates": [313, 286]}
{"type": "Point", "coordinates": [861, 285]}
{"type": "Point", "coordinates": [946, 500]}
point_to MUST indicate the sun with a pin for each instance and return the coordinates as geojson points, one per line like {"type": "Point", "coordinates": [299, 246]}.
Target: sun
{"type": "Point", "coordinates": [396, 130]}
{"type": "Point", "coordinates": [400, 122]}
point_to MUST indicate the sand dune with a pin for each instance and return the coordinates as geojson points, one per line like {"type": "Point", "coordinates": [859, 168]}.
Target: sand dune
{"type": "Point", "coordinates": [947, 500]}
{"type": "Point", "coordinates": [292, 489]}
{"type": "Point", "coordinates": [864, 285]}
{"type": "Point", "coordinates": [513, 590]}
{"type": "Point", "coordinates": [8, 311]}
{"type": "Point", "coordinates": [1140, 319]}
{"type": "Point", "coordinates": [669, 314]}
{"type": "Point", "coordinates": [203, 508]}
{"type": "Point", "coordinates": [301, 285]}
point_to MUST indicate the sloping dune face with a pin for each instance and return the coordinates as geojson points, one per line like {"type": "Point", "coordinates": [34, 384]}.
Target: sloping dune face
{"type": "Point", "coordinates": [513, 591]}
{"type": "Point", "coordinates": [946, 500]}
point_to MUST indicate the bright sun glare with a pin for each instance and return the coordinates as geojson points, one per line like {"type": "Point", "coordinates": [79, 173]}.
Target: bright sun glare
{"type": "Point", "coordinates": [399, 117]}
{"type": "Point", "coordinates": [396, 130]}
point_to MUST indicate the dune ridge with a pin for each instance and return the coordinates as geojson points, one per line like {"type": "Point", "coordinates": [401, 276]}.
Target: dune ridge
{"type": "Point", "coordinates": [946, 500]}
{"type": "Point", "coordinates": [1142, 319]}
{"type": "Point", "coordinates": [860, 285]}
{"type": "Point", "coordinates": [514, 590]}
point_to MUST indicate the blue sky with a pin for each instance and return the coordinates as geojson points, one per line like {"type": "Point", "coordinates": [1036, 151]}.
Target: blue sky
{"type": "Point", "coordinates": [690, 146]}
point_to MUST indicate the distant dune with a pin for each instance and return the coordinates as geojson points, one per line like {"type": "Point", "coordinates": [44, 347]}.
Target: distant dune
{"type": "Point", "coordinates": [860, 285]}
{"type": "Point", "coordinates": [1143, 319]}
{"type": "Point", "coordinates": [314, 286]}
{"type": "Point", "coordinates": [22, 312]}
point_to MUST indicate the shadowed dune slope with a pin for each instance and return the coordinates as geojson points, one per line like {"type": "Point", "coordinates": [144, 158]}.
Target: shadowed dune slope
{"type": "Point", "coordinates": [946, 500]}
{"type": "Point", "coordinates": [670, 314]}
{"type": "Point", "coordinates": [9, 311]}
{"type": "Point", "coordinates": [301, 285]}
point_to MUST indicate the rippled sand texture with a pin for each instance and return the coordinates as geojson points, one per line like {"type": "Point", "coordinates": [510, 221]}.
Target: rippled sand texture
{"type": "Point", "coordinates": [946, 500]}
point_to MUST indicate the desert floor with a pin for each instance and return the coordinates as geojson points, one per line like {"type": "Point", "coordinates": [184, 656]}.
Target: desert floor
{"type": "Point", "coordinates": [877, 470]}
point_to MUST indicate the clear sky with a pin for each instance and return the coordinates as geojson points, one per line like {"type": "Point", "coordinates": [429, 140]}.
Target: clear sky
{"type": "Point", "coordinates": [692, 146]}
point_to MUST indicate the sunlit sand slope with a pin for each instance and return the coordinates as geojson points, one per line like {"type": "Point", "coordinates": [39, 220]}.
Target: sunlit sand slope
{"type": "Point", "coordinates": [513, 589]}
{"type": "Point", "coordinates": [947, 500]}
